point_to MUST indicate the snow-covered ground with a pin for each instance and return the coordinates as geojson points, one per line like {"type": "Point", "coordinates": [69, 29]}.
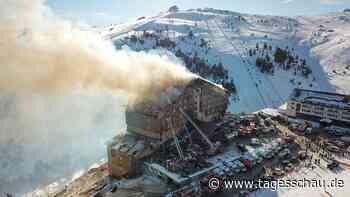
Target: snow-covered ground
{"type": "Point", "coordinates": [328, 37]}
{"type": "Point", "coordinates": [319, 174]}
{"type": "Point", "coordinates": [323, 41]}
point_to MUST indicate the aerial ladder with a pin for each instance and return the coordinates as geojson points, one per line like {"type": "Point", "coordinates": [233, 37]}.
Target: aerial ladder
{"type": "Point", "coordinates": [176, 140]}
{"type": "Point", "coordinates": [213, 147]}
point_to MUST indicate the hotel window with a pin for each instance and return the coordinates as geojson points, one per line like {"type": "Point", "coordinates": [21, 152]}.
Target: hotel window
{"type": "Point", "coordinates": [319, 108]}
{"type": "Point", "coordinates": [346, 117]}
{"type": "Point", "coordinates": [306, 110]}
{"type": "Point", "coordinates": [318, 112]}
{"type": "Point", "coordinates": [346, 114]}
{"type": "Point", "coordinates": [332, 115]}
{"type": "Point", "coordinates": [332, 110]}
{"type": "Point", "coordinates": [307, 106]}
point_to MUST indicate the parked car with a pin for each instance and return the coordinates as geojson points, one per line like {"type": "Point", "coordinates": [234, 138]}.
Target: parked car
{"type": "Point", "coordinates": [259, 160]}
{"type": "Point", "coordinates": [289, 167]}
{"type": "Point", "coordinates": [280, 141]}
{"type": "Point", "coordinates": [242, 147]}
{"type": "Point", "coordinates": [335, 131]}
{"type": "Point", "coordinates": [255, 142]}
{"type": "Point", "coordinates": [226, 170]}
{"type": "Point", "coordinates": [303, 155]}
{"type": "Point", "coordinates": [285, 162]}
{"type": "Point", "coordinates": [249, 162]}
{"type": "Point", "coordinates": [280, 147]}
{"type": "Point", "coordinates": [237, 169]}
{"type": "Point", "coordinates": [230, 173]}
{"type": "Point", "coordinates": [332, 165]}
{"type": "Point", "coordinates": [312, 131]}
{"type": "Point", "coordinates": [285, 146]}
{"type": "Point", "coordinates": [269, 155]}
{"type": "Point", "coordinates": [268, 122]}
{"type": "Point", "coordinates": [243, 193]}
{"type": "Point", "coordinates": [267, 130]}
{"type": "Point", "coordinates": [278, 172]}
{"type": "Point", "coordinates": [304, 127]}
{"type": "Point", "coordinates": [339, 143]}
{"type": "Point", "coordinates": [284, 153]}
{"type": "Point", "coordinates": [221, 173]}
{"type": "Point", "coordinates": [289, 139]}
{"type": "Point", "coordinates": [333, 148]}
{"type": "Point", "coordinates": [345, 139]}
{"type": "Point", "coordinates": [240, 164]}
{"type": "Point", "coordinates": [294, 158]}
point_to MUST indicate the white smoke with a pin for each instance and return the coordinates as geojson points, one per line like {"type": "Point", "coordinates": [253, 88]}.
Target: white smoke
{"type": "Point", "coordinates": [60, 93]}
{"type": "Point", "coordinates": [44, 138]}
{"type": "Point", "coordinates": [42, 53]}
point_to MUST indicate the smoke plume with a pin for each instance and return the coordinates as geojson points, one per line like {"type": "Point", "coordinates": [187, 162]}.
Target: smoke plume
{"type": "Point", "coordinates": [43, 53]}
{"type": "Point", "coordinates": [60, 93]}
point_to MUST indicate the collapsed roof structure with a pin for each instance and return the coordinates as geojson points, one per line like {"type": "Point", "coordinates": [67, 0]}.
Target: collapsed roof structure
{"type": "Point", "coordinates": [159, 117]}
{"type": "Point", "coordinates": [152, 122]}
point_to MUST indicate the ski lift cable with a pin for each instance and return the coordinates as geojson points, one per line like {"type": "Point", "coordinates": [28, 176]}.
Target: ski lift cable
{"type": "Point", "coordinates": [247, 61]}
{"type": "Point", "coordinates": [242, 59]}
{"type": "Point", "coordinates": [244, 63]}
{"type": "Point", "coordinates": [265, 77]}
{"type": "Point", "coordinates": [210, 32]}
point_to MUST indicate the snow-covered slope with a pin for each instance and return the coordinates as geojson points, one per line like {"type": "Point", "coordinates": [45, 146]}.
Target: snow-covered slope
{"type": "Point", "coordinates": [328, 36]}
{"type": "Point", "coordinates": [322, 41]}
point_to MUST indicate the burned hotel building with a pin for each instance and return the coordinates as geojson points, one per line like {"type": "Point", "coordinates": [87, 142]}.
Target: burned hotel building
{"type": "Point", "coordinates": [151, 123]}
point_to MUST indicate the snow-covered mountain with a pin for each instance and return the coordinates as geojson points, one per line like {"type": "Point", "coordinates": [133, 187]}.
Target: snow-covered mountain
{"type": "Point", "coordinates": [259, 59]}
{"type": "Point", "coordinates": [224, 46]}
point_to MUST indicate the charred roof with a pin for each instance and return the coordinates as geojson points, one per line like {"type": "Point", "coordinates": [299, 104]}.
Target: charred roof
{"type": "Point", "coordinates": [152, 106]}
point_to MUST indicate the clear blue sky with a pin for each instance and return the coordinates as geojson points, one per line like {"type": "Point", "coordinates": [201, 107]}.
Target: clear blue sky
{"type": "Point", "coordinates": [102, 12]}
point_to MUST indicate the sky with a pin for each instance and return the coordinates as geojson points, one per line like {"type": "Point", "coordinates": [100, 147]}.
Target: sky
{"type": "Point", "coordinates": [104, 12]}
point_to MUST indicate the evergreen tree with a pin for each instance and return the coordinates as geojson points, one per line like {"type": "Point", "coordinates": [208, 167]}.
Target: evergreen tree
{"type": "Point", "coordinates": [265, 46]}
{"type": "Point", "coordinates": [280, 55]}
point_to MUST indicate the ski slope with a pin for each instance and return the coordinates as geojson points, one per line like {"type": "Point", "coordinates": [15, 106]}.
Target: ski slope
{"type": "Point", "coordinates": [322, 40]}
